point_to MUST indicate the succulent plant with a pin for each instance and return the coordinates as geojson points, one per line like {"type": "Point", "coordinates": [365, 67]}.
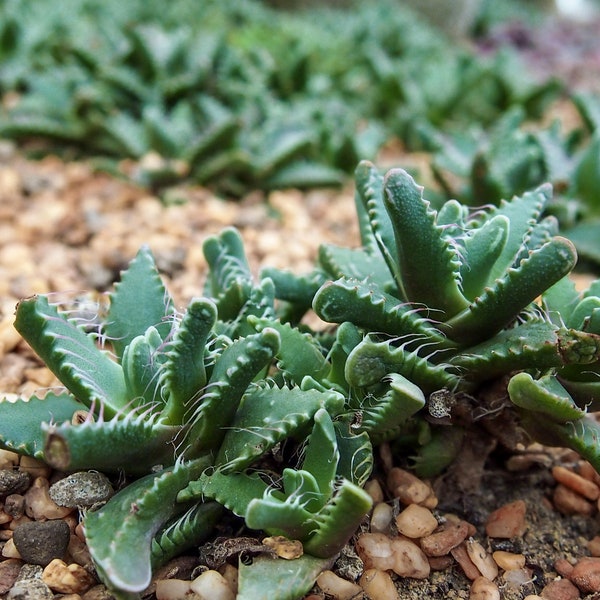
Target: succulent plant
{"type": "Point", "coordinates": [445, 304]}
{"type": "Point", "coordinates": [175, 398]}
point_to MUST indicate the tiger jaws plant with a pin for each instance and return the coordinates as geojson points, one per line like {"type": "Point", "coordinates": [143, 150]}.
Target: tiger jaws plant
{"type": "Point", "coordinates": [447, 326]}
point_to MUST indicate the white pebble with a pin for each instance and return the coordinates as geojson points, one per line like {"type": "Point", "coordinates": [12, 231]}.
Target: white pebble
{"type": "Point", "coordinates": [172, 589]}
{"type": "Point", "coordinates": [336, 587]}
{"type": "Point", "coordinates": [375, 550]}
{"type": "Point", "coordinates": [381, 518]}
{"type": "Point", "coordinates": [211, 584]}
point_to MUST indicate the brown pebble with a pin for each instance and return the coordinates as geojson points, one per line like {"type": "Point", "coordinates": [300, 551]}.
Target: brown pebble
{"type": "Point", "coordinates": [560, 589]}
{"type": "Point", "coordinates": [461, 556]}
{"type": "Point", "coordinates": [563, 567]}
{"type": "Point", "coordinates": [586, 574]}
{"type": "Point", "coordinates": [442, 541]}
{"type": "Point", "coordinates": [440, 563]}
{"type": "Point", "coordinates": [408, 488]}
{"type": "Point", "coordinates": [508, 521]}
{"type": "Point", "coordinates": [568, 502]}
{"type": "Point", "coordinates": [585, 469]}
{"type": "Point", "coordinates": [582, 486]}
{"type": "Point", "coordinates": [594, 546]}
{"type": "Point", "coordinates": [484, 589]}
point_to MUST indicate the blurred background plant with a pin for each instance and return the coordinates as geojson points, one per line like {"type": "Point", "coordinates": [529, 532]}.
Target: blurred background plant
{"type": "Point", "coordinates": [215, 93]}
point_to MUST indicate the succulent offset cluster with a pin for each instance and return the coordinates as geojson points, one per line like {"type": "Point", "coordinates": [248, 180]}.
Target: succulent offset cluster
{"type": "Point", "coordinates": [237, 405]}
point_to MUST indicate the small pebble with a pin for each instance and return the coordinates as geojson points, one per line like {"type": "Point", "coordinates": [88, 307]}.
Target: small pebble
{"type": "Point", "coordinates": [586, 574]}
{"type": "Point", "coordinates": [563, 567]}
{"type": "Point", "coordinates": [461, 556]}
{"type": "Point", "coordinates": [569, 502]}
{"type": "Point", "coordinates": [14, 505]}
{"type": "Point", "coordinates": [375, 550]}
{"type": "Point", "coordinates": [580, 485]}
{"type": "Point", "coordinates": [560, 589]}
{"type": "Point", "coordinates": [441, 542]}
{"type": "Point", "coordinates": [9, 550]}
{"type": "Point", "coordinates": [378, 585]}
{"type": "Point", "coordinates": [13, 482]}
{"type": "Point", "coordinates": [408, 488]}
{"type": "Point", "coordinates": [484, 589]}
{"type": "Point", "coordinates": [9, 571]}
{"type": "Point", "coordinates": [8, 458]}
{"type": "Point", "coordinates": [67, 579]}
{"type": "Point", "coordinates": [409, 559]}
{"type": "Point", "coordinates": [30, 589]}
{"type": "Point", "coordinates": [508, 560]}
{"type": "Point", "coordinates": [594, 546]}
{"type": "Point", "coordinates": [174, 589]}
{"type": "Point", "coordinates": [482, 559]}
{"type": "Point", "coordinates": [39, 542]}
{"type": "Point", "coordinates": [373, 488]}
{"type": "Point", "coordinates": [82, 490]}
{"type": "Point", "coordinates": [416, 521]}
{"type": "Point", "coordinates": [381, 518]}
{"type": "Point", "coordinates": [336, 587]}
{"type": "Point", "coordinates": [211, 584]}
{"type": "Point", "coordinates": [508, 521]}
{"type": "Point", "coordinates": [39, 505]}
{"type": "Point", "coordinates": [33, 466]}
{"type": "Point", "coordinates": [517, 578]}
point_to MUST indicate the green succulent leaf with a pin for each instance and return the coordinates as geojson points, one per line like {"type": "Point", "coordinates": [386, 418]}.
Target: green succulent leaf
{"type": "Point", "coordinates": [140, 510]}
{"type": "Point", "coordinates": [184, 374]}
{"type": "Point", "coordinates": [544, 395]}
{"type": "Point", "coordinates": [372, 361]}
{"type": "Point", "coordinates": [581, 435]}
{"type": "Point", "coordinates": [267, 578]}
{"type": "Point", "coordinates": [364, 304]}
{"type": "Point", "coordinates": [142, 363]}
{"type": "Point", "coordinates": [321, 457]}
{"type": "Point", "coordinates": [185, 532]}
{"type": "Point", "coordinates": [133, 444]}
{"type": "Point", "coordinates": [87, 372]}
{"type": "Point", "coordinates": [129, 316]}
{"type": "Point", "coordinates": [383, 415]}
{"type": "Point", "coordinates": [22, 420]}
{"type": "Point", "coordinates": [481, 249]}
{"type": "Point", "coordinates": [234, 491]}
{"type": "Point", "coordinates": [299, 355]}
{"type": "Point", "coordinates": [499, 303]}
{"type": "Point", "coordinates": [211, 414]}
{"type": "Point", "coordinates": [338, 520]}
{"type": "Point", "coordinates": [428, 264]}
{"type": "Point", "coordinates": [267, 415]}
{"type": "Point", "coordinates": [230, 279]}
{"type": "Point", "coordinates": [356, 452]}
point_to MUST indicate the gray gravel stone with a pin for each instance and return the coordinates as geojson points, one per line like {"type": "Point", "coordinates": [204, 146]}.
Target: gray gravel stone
{"type": "Point", "coordinates": [30, 589]}
{"type": "Point", "coordinates": [13, 482]}
{"type": "Point", "coordinates": [39, 542]}
{"type": "Point", "coordinates": [82, 490]}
